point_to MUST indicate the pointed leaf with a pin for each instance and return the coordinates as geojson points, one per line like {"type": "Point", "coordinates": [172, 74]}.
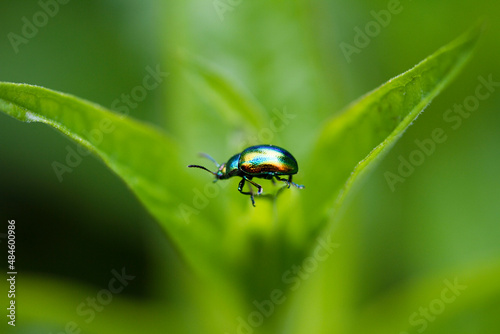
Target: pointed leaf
{"type": "Point", "coordinates": [144, 157]}
{"type": "Point", "coordinates": [369, 127]}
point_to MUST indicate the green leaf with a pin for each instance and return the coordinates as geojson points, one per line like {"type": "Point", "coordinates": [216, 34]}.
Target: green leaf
{"type": "Point", "coordinates": [229, 97]}
{"type": "Point", "coordinates": [369, 127]}
{"type": "Point", "coordinates": [406, 300]}
{"type": "Point", "coordinates": [143, 156]}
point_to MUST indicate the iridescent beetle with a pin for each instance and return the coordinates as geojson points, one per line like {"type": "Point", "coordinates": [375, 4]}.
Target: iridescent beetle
{"type": "Point", "coordinates": [261, 161]}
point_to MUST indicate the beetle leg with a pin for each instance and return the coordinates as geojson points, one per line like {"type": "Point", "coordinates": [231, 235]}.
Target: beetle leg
{"type": "Point", "coordinates": [240, 186]}
{"type": "Point", "coordinates": [284, 180]}
{"type": "Point", "coordinates": [295, 184]}
{"type": "Point", "coordinates": [240, 189]}
{"type": "Point", "coordinates": [289, 182]}
{"type": "Point", "coordinates": [249, 179]}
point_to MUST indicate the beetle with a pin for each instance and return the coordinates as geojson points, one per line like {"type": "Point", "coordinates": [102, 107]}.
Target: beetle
{"type": "Point", "coordinates": [260, 161]}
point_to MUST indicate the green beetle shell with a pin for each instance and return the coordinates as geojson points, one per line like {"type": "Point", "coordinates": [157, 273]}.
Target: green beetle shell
{"type": "Point", "coordinates": [267, 160]}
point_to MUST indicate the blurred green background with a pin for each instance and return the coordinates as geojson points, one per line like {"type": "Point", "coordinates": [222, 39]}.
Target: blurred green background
{"type": "Point", "coordinates": [443, 218]}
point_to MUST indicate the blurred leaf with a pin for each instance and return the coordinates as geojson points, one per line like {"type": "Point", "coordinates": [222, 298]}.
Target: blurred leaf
{"type": "Point", "coordinates": [468, 289]}
{"type": "Point", "coordinates": [133, 150]}
{"type": "Point", "coordinates": [368, 128]}
{"type": "Point", "coordinates": [230, 98]}
{"type": "Point", "coordinates": [59, 302]}
{"type": "Point", "coordinates": [144, 157]}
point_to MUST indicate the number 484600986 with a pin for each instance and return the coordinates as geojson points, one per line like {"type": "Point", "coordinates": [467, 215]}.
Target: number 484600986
{"type": "Point", "coordinates": [11, 244]}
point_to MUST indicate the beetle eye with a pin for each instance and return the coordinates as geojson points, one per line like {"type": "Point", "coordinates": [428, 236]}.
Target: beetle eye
{"type": "Point", "coordinates": [222, 168]}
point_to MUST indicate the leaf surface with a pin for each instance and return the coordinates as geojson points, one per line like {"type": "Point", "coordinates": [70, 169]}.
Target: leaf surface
{"type": "Point", "coordinates": [370, 126]}
{"type": "Point", "coordinates": [143, 156]}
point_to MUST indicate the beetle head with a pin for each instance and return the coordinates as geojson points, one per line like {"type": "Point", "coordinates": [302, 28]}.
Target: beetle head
{"type": "Point", "coordinates": [221, 169]}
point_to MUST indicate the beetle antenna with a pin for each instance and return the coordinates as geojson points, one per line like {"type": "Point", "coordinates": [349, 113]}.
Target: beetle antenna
{"type": "Point", "coordinates": [197, 166]}
{"type": "Point", "coordinates": [209, 158]}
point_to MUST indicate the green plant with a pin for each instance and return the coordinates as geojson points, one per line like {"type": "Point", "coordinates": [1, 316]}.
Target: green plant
{"type": "Point", "coordinates": [247, 254]}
